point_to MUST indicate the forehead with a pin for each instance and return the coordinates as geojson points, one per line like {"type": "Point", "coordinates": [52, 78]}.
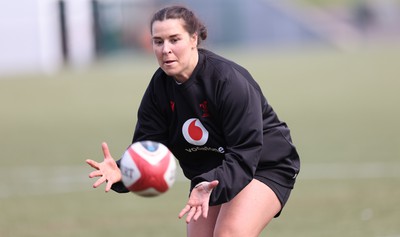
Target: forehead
{"type": "Point", "coordinates": [168, 28]}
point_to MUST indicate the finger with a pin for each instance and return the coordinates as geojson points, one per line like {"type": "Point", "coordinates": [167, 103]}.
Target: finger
{"type": "Point", "coordinates": [108, 186]}
{"type": "Point", "coordinates": [205, 210]}
{"type": "Point", "coordinates": [190, 214]}
{"type": "Point", "coordinates": [99, 182]}
{"type": "Point", "coordinates": [106, 151]}
{"type": "Point", "coordinates": [95, 173]}
{"type": "Point", "coordinates": [197, 214]}
{"type": "Point", "coordinates": [184, 211]}
{"type": "Point", "coordinates": [92, 163]}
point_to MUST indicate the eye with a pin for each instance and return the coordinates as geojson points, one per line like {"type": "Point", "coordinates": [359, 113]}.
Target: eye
{"type": "Point", "coordinates": [174, 40]}
{"type": "Point", "coordinates": [157, 42]}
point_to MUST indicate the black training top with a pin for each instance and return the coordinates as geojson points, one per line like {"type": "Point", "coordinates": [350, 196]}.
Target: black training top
{"type": "Point", "coordinates": [218, 125]}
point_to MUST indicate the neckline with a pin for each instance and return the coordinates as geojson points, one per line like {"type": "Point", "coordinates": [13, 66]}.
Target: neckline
{"type": "Point", "coordinates": [195, 72]}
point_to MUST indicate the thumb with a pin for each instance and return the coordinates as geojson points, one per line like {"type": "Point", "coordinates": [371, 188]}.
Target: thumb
{"type": "Point", "coordinates": [211, 185]}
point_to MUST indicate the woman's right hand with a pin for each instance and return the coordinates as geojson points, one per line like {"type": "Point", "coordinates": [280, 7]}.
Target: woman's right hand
{"type": "Point", "coordinates": [107, 170]}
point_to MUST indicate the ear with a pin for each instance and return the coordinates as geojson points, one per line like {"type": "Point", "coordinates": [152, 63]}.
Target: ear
{"type": "Point", "coordinates": [194, 40]}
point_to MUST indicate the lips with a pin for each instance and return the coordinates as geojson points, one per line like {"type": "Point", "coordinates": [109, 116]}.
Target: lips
{"type": "Point", "coordinates": [168, 62]}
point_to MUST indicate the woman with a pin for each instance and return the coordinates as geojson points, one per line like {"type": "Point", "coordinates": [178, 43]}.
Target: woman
{"type": "Point", "coordinates": [212, 115]}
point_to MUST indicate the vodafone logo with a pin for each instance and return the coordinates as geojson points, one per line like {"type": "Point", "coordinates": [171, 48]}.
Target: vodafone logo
{"type": "Point", "coordinates": [194, 132]}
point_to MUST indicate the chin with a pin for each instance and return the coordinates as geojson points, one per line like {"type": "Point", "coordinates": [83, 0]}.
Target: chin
{"type": "Point", "coordinates": [169, 72]}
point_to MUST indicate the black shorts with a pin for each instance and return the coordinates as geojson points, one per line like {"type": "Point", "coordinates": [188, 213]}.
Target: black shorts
{"type": "Point", "coordinates": [279, 163]}
{"type": "Point", "coordinates": [280, 191]}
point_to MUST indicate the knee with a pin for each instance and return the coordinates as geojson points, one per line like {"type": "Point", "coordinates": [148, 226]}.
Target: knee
{"type": "Point", "coordinates": [231, 231]}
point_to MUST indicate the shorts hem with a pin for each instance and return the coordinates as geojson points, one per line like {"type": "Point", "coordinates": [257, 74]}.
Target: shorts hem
{"type": "Point", "coordinates": [280, 191]}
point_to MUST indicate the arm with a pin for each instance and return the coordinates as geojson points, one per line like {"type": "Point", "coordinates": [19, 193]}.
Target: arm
{"type": "Point", "coordinates": [240, 115]}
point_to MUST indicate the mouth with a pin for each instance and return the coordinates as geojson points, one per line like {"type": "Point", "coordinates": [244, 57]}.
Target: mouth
{"type": "Point", "coordinates": [169, 62]}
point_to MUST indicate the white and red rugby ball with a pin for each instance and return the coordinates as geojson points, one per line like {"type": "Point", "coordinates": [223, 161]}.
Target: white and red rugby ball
{"type": "Point", "coordinates": [148, 168]}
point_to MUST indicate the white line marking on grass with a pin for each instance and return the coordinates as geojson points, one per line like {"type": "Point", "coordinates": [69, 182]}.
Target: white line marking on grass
{"type": "Point", "coordinates": [35, 180]}
{"type": "Point", "coordinates": [44, 180]}
{"type": "Point", "coordinates": [350, 171]}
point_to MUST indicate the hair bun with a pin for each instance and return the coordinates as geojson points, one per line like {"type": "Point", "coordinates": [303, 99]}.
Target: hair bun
{"type": "Point", "coordinates": [202, 32]}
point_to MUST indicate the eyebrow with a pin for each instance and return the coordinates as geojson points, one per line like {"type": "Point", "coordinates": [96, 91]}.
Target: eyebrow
{"type": "Point", "coordinates": [171, 36]}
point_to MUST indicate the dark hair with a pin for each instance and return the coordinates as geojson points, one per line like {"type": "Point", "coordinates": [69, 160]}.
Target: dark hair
{"type": "Point", "coordinates": [192, 23]}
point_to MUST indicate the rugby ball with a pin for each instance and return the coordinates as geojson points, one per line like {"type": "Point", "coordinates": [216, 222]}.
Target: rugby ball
{"type": "Point", "coordinates": [148, 168]}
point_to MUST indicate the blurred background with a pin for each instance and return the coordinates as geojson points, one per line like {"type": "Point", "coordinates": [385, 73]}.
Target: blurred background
{"type": "Point", "coordinates": [55, 33]}
{"type": "Point", "coordinates": [72, 73]}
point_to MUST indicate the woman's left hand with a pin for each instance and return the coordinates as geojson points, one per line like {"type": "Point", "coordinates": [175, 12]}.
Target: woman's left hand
{"type": "Point", "coordinates": [198, 201]}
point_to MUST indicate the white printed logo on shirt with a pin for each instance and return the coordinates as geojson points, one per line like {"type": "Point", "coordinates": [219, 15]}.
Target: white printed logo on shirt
{"type": "Point", "coordinates": [194, 132]}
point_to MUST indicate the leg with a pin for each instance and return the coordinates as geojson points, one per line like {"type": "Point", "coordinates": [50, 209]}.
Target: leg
{"type": "Point", "coordinates": [248, 213]}
{"type": "Point", "coordinates": [204, 227]}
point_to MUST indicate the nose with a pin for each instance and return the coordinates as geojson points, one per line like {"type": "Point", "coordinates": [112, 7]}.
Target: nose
{"type": "Point", "coordinates": [166, 48]}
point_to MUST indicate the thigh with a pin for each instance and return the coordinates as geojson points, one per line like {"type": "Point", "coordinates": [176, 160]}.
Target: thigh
{"type": "Point", "coordinates": [204, 227]}
{"type": "Point", "coordinates": [249, 212]}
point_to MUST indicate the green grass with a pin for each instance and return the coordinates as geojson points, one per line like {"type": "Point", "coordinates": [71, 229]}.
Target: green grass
{"type": "Point", "coordinates": [342, 108]}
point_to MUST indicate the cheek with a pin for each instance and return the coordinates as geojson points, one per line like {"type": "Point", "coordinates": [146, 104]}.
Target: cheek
{"type": "Point", "coordinates": [155, 49]}
{"type": "Point", "coordinates": [181, 50]}
{"type": "Point", "coordinates": [157, 52]}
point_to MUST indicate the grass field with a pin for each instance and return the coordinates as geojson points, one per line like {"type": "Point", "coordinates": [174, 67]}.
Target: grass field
{"type": "Point", "coordinates": [342, 108]}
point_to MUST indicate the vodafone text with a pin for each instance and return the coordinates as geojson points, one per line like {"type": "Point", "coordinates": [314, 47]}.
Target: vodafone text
{"type": "Point", "coordinates": [195, 149]}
